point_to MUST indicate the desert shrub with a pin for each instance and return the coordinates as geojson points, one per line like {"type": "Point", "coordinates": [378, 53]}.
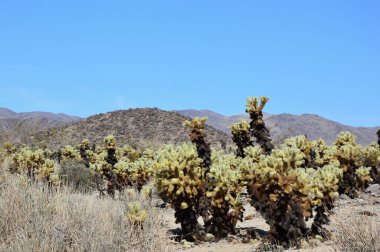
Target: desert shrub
{"type": "Point", "coordinates": [354, 232]}
{"type": "Point", "coordinates": [33, 220]}
{"type": "Point", "coordinates": [75, 174]}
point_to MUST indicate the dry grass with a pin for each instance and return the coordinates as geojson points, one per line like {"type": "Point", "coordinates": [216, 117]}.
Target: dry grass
{"type": "Point", "coordinates": [355, 232]}
{"type": "Point", "coordinates": [32, 219]}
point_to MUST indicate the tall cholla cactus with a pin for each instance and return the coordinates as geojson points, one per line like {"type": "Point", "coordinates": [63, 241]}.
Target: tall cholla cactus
{"type": "Point", "coordinates": [279, 191]}
{"type": "Point", "coordinates": [348, 153]}
{"type": "Point", "coordinates": [324, 191]}
{"type": "Point", "coordinates": [102, 162]}
{"type": "Point", "coordinates": [241, 136]}
{"type": "Point", "coordinates": [198, 137]}
{"type": "Point", "coordinates": [83, 147]}
{"type": "Point", "coordinates": [227, 208]}
{"type": "Point", "coordinates": [180, 181]}
{"type": "Point", "coordinates": [257, 125]}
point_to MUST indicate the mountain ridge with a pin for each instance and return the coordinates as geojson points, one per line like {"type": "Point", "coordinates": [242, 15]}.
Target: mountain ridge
{"type": "Point", "coordinates": [286, 125]}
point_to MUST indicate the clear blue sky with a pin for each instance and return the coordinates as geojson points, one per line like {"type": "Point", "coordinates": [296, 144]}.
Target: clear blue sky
{"type": "Point", "coordinates": [86, 57]}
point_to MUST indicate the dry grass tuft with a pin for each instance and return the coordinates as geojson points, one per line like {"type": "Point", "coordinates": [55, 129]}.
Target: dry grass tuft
{"type": "Point", "coordinates": [32, 219]}
{"type": "Point", "coordinates": [355, 232]}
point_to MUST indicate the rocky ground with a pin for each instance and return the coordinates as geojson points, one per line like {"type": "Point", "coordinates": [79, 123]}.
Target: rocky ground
{"type": "Point", "coordinates": [367, 205]}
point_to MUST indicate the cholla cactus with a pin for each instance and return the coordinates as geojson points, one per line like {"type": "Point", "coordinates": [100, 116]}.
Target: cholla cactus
{"type": "Point", "coordinates": [227, 208]}
{"type": "Point", "coordinates": [180, 181]}
{"type": "Point", "coordinates": [257, 125]}
{"type": "Point", "coordinates": [279, 190]}
{"type": "Point", "coordinates": [363, 177]}
{"type": "Point", "coordinates": [83, 147]}
{"type": "Point", "coordinates": [69, 152]}
{"type": "Point", "coordinates": [348, 153]}
{"type": "Point", "coordinates": [136, 214]}
{"type": "Point", "coordinates": [140, 172]}
{"type": "Point", "coordinates": [323, 154]}
{"type": "Point", "coordinates": [241, 136]}
{"type": "Point", "coordinates": [324, 191]}
{"type": "Point", "coordinates": [305, 146]}
{"type": "Point", "coordinates": [29, 161]}
{"type": "Point", "coordinates": [110, 142]}
{"type": "Point", "coordinates": [121, 172]}
{"type": "Point", "coordinates": [127, 152]}
{"type": "Point", "coordinates": [147, 192]}
{"type": "Point", "coordinates": [370, 157]}
{"type": "Point", "coordinates": [198, 137]}
{"type": "Point", "coordinates": [46, 170]}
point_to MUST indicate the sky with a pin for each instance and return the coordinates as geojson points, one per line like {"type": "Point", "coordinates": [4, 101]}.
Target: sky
{"type": "Point", "coordinates": [88, 57]}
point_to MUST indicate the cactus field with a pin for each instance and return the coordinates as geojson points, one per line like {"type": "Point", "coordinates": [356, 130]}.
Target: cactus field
{"type": "Point", "coordinates": [214, 195]}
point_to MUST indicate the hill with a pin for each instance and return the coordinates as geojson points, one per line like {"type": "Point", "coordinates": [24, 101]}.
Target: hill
{"type": "Point", "coordinates": [287, 125]}
{"type": "Point", "coordinates": [13, 126]}
{"type": "Point", "coordinates": [137, 127]}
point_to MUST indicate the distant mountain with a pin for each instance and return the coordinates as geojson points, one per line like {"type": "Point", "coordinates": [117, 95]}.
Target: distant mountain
{"type": "Point", "coordinates": [7, 114]}
{"type": "Point", "coordinates": [287, 125]}
{"type": "Point", "coordinates": [13, 126]}
{"type": "Point", "coordinates": [142, 127]}
{"type": "Point", "coordinates": [146, 127]}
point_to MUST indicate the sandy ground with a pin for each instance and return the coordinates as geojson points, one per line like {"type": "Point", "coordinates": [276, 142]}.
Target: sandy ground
{"type": "Point", "coordinates": [363, 203]}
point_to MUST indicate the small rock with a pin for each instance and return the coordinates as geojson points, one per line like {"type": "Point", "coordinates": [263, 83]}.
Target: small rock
{"type": "Point", "coordinates": [249, 217]}
{"type": "Point", "coordinates": [304, 244]}
{"type": "Point", "coordinates": [344, 197]}
{"type": "Point", "coordinates": [209, 237]}
{"type": "Point", "coordinates": [367, 213]}
{"type": "Point", "coordinates": [319, 237]}
{"type": "Point", "coordinates": [245, 239]}
{"type": "Point", "coordinates": [373, 189]}
{"type": "Point", "coordinates": [243, 232]}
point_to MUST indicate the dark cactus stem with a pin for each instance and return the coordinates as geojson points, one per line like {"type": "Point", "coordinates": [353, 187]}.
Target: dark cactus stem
{"type": "Point", "coordinates": [378, 137]}
{"type": "Point", "coordinates": [112, 181]}
{"type": "Point", "coordinates": [261, 133]}
{"type": "Point", "coordinates": [222, 222]}
{"type": "Point", "coordinates": [198, 137]}
{"type": "Point", "coordinates": [321, 218]}
{"type": "Point", "coordinates": [203, 148]}
{"type": "Point", "coordinates": [191, 229]}
{"type": "Point", "coordinates": [83, 147]}
{"type": "Point", "coordinates": [257, 125]}
{"type": "Point", "coordinates": [288, 223]}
